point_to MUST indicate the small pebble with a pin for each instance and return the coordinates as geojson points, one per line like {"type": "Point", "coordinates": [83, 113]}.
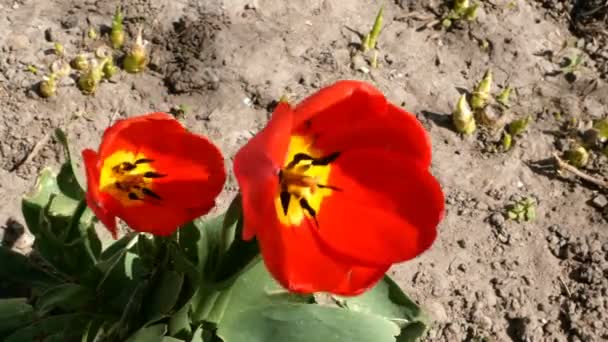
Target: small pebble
{"type": "Point", "coordinates": [599, 201]}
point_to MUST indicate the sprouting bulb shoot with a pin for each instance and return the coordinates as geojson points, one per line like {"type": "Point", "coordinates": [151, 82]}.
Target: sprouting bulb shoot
{"type": "Point", "coordinates": [117, 35]}
{"type": "Point", "coordinates": [136, 59]}
{"type": "Point", "coordinates": [90, 79]}
{"type": "Point", "coordinates": [48, 86]}
{"type": "Point", "coordinates": [375, 32]}
{"type": "Point", "coordinates": [481, 94]}
{"type": "Point", "coordinates": [577, 156]}
{"type": "Point", "coordinates": [460, 6]}
{"type": "Point", "coordinates": [109, 68]}
{"type": "Point", "coordinates": [462, 117]}
{"type": "Point", "coordinates": [80, 62]}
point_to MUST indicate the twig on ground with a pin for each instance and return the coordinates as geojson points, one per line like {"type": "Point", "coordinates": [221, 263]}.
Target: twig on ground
{"type": "Point", "coordinates": [562, 165]}
{"type": "Point", "coordinates": [565, 286]}
{"type": "Point", "coordinates": [34, 151]}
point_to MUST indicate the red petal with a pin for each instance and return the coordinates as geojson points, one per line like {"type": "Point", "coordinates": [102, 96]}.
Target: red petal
{"type": "Point", "coordinates": [293, 254]}
{"type": "Point", "coordinates": [345, 102]}
{"type": "Point", "coordinates": [395, 130]}
{"type": "Point", "coordinates": [260, 159]}
{"type": "Point", "coordinates": [161, 219]}
{"type": "Point", "coordinates": [96, 200]}
{"type": "Point", "coordinates": [387, 210]}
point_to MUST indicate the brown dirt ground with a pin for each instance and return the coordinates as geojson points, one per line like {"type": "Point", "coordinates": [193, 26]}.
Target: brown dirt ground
{"type": "Point", "coordinates": [485, 277]}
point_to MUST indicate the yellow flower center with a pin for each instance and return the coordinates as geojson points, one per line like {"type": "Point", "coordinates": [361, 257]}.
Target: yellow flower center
{"type": "Point", "coordinates": [303, 182]}
{"type": "Point", "coordinates": [128, 177]}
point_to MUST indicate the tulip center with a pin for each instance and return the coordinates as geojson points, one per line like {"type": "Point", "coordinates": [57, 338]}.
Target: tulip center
{"type": "Point", "coordinates": [129, 178]}
{"type": "Point", "coordinates": [303, 182]}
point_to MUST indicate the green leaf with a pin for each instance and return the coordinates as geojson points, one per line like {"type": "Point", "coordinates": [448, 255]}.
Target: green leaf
{"type": "Point", "coordinates": [197, 336]}
{"type": "Point", "coordinates": [236, 253]}
{"type": "Point", "coordinates": [68, 184]}
{"type": "Point", "coordinates": [149, 334]}
{"type": "Point", "coordinates": [77, 169]}
{"type": "Point", "coordinates": [179, 323]}
{"type": "Point", "coordinates": [20, 269]}
{"type": "Point", "coordinates": [165, 294]}
{"type": "Point", "coordinates": [254, 287]}
{"type": "Point", "coordinates": [34, 202]}
{"type": "Point", "coordinates": [70, 326]}
{"type": "Point", "coordinates": [386, 299]}
{"type": "Point", "coordinates": [65, 296]}
{"type": "Point", "coordinates": [304, 323]}
{"type": "Point", "coordinates": [14, 313]}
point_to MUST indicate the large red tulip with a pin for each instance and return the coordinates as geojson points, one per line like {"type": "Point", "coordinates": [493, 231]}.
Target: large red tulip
{"type": "Point", "coordinates": [338, 189]}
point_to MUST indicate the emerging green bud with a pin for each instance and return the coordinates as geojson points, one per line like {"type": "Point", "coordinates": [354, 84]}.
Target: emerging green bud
{"type": "Point", "coordinates": [48, 86]}
{"type": "Point", "coordinates": [470, 13]}
{"type": "Point", "coordinates": [375, 32]}
{"type": "Point", "coordinates": [59, 50]}
{"type": "Point", "coordinates": [136, 59]}
{"type": "Point", "coordinates": [80, 62]}
{"type": "Point", "coordinates": [481, 94]}
{"type": "Point", "coordinates": [109, 68]}
{"type": "Point", "coordinates": [89, 80]}
{"type": "Point", "coordinates": [462, 117]}
{"type": "Point", "coordinates": [602, 128]}
{"type": "Point", "coordinates": [92, 33]}
{"type": "Point", "coordinates": [503, 97]}
{"type": "Point", "coordinates": [460, 6]}
{"type": "Point", "coordinates": [374, 63]}
{"type": "Point", "coordinates": [519, 126]}
{"type": "Point", "coordinates": [117, 35]}
{"type": "Point", "coordinates": [577, 156]}
{"type": "Point", "coordinates": [507, 141]}
{"type": "Point", "coordinates": [61, 68]}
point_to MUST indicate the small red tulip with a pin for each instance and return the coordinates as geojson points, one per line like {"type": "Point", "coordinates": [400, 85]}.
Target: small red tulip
{"type": "Point", "coordinates": [153, 174]}
{"type": "Point", "coordinates": [338, 189]}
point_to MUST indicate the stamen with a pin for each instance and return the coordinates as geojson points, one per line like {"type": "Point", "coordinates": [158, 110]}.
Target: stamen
{"type": "Point", "coordinates": [306, 206]}
{"type": "Point", "coordinates": [326, 160]}
{"type": "Point", "coordinates": [150, 193]}
{"type": "Point", "coordinates": [152, 174]}
{"type": "Point", "coordinates": [126, 166]}
{"type": "Point", "coordinates": [133, 196]}
{"type": "Point", "coordinates": [143, 161]}
{"type": "Point", "coordinates": [331, 187]}
{"type": "Point", "coordinates": [285, 198]}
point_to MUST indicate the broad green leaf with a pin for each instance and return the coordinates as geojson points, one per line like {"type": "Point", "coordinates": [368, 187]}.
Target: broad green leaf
{"type": "Point", "coordinates": [165, 294]}
{"type": "Point", "coordinates": [76, 164]}
{"type": "Point", "coordinates": [200, 241]}
{"type": "Point", "coordinates": [20, 269]}
{"type": "Point", "coordinates": [238, 253]}
{"type": "Point", "coordinates": [179, 323]}
{"type": "Point", "coordinates": [34, 202]}
{"type": "Point", "coordinates": [197, 336]}
{"type": "Point", "coordinates": [387, 300]}
{"type": "Point", "coordinates": [68, 184]}
{"type": "Point", "coordinates": [254, 287]}
{"type": "Point", "coordinates": [305, 323]}
{"type": "Point", "coordinates": [65, 296]}
{"type": "Point", "coordinates": [70, 325]}
{"type": "Point", "coordinates": [62, 206]}
{"type": "Point", "coordinates": [152, 333]}
{"type": "Point", "coordinates": [14, 313]}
